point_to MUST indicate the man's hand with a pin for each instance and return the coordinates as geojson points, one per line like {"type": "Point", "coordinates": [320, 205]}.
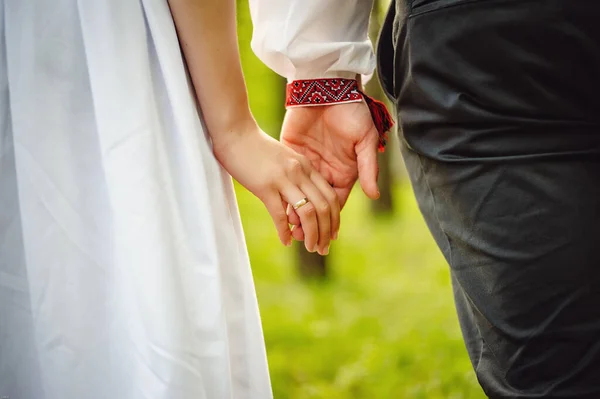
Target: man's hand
{"type": "Point", "coordinates": [341, 142]}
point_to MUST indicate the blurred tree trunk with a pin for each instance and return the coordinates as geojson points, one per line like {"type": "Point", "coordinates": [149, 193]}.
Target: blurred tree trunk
{"type": "Point", "coordinates": [385, 204]}
{"type": "Point", "coordinates": [310, 265]}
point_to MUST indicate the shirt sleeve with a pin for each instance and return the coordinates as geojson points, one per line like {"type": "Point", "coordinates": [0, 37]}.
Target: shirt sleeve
{"type": "Point", "coordinates": [310, 39]}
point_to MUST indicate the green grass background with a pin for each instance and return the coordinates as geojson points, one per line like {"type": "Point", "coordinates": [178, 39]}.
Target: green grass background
{"type": "Point", "coordinates": [383, 325]}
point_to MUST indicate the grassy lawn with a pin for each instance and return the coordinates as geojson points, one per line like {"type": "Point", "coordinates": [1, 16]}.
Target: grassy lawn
{"type": "Point", "coordinates": [383, 326]}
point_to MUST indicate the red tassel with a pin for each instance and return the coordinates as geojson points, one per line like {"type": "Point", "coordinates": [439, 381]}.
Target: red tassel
{"type": "Point", "coordinates": [381, 118]}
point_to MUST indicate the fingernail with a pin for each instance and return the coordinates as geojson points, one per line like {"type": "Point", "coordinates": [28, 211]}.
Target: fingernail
{"type": "Point", "coordinates": [289, 243]}
{"type": "Point", "coordinates": [326, 252]}
{"type": "Point", "coordinates": [335, 235]}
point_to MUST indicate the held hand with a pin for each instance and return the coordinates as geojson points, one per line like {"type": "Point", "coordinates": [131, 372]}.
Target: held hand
{"type": "Point", "coordinates": [341, 143]}
{"type": "Point", "coordinates": [279, 176]}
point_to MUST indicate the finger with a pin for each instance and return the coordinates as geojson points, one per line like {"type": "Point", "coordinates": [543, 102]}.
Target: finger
{"type": "Point", "coordinates": [293, 217]}
{"type": "Point", "coordinates": [343, 193]}
{"type": "Point", "coordinates": [366, 155]}
{"type": "Point", "coordinates": [332, 199]}
{"type": "Point", "coordinates": [298, 233]}
{"type": "Point", "coordinates": [299, 169]}
{"type": "Point", "coordinates": [276, 209]}
{"type": "Point", "coordinates": [307, 213]}
{"type": "Point", "coordinates": [317, 199]}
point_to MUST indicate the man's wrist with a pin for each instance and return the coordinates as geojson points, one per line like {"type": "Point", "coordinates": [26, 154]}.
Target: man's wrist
{"type": "Point", "coordinates": [332, 91]}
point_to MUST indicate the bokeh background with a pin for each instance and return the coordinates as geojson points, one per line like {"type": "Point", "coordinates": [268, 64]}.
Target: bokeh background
{"type": "Point", "coordinates": [376, 320]}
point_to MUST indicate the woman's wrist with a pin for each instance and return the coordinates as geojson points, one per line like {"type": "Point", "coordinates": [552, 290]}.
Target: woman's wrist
{"type": "Point", "coordinates": [231, 130]}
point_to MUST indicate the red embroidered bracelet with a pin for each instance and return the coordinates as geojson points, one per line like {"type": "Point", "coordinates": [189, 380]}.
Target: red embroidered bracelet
{"type": "Point", "coordinates": [312, 92]}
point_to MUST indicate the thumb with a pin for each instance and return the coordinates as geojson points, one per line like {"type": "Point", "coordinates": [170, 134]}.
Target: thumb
{"type": "Point", "coordinates": [368, 169]}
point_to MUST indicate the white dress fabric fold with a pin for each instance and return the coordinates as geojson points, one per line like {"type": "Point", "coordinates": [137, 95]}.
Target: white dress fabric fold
{"type": "Point", "coordinates": [123, 267]}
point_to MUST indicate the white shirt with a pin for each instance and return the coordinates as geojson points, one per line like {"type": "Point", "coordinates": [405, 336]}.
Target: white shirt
{"type": "Point", "coordinates": [309, 39]}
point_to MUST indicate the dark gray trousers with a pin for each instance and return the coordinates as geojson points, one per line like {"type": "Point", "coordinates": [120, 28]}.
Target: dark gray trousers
{"type": "Point", "coordinates": [499, 105]}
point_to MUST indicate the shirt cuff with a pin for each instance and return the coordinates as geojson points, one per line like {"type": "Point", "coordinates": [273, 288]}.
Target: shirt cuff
{"type": "Point", "coordinates": [324, 91]}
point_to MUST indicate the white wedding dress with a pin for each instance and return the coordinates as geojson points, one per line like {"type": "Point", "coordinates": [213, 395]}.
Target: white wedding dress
{"type": "Point", "coordinates": [123, 267]}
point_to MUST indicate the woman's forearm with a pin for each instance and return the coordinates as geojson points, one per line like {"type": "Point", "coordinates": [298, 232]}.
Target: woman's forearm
{"type": "Point", "coordinates": [208, 38]}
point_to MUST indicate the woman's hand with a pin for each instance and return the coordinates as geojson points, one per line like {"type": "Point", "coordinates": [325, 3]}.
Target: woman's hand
{"type": "Point", "coordinates": [279, 176]}
{"type": "Point", "coordinates": [274, 173]}
{"type": "Point", "coordinates": [341, 143]}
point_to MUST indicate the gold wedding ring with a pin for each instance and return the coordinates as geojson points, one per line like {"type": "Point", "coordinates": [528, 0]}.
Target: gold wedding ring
{"type": "Point", "coordinates": [300, 203]}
